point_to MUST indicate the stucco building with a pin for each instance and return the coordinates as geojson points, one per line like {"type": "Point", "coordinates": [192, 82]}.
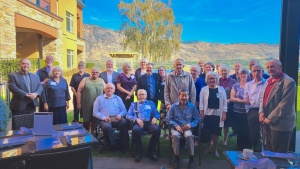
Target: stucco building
{"type": "Point", "coordinates": [37, 28]}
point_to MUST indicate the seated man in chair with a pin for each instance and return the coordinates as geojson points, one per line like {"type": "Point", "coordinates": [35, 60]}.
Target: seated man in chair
{"type": "Point", "coordinates": [144, 114]}
{"type": "Point", "coordinates": [183, 115]}
{"type": "Point", "coordinates": [110, 109]}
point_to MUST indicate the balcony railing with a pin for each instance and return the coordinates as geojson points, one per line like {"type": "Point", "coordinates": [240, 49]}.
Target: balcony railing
{"type": "Point", "coordinates": [41, 3]}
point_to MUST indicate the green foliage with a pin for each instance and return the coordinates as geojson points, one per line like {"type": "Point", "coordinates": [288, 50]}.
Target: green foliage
{"type": "Point", "coordinates": [4, 115]}
{"type": "Point", "coordinates": [90, 64]}
{"type": "Point", "coordinates": [150, 29]}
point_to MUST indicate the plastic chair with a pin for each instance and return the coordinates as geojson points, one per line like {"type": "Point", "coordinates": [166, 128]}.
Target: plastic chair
{"type": "Point", "coordinates": [24, 120]}
{"type": "Point", "coordinates": [79, 158]}
{"type": "Point", "coordinates": [182, 142]}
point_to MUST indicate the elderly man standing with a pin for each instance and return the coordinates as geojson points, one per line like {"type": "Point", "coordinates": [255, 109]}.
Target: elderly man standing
{"type": "Point", "coordinates": [25, 87]}
{"type": "Point", "coordinates": [110, 76]}
{"type": "Point", "coordinates": [74, 83]}
{"type": "Point", "coordinates": [253, 90]}
{"type": "Point", "coordinates": [277, 107]}
{"type": "Point", "coordinates": [110, 109]}
{"type": "Point", "coordinates": [144, 114]}
{"type": "Point", "coordinates": [177, 80]}
{"type": "Point", "coordinates": [149, 82]}
{"type": "Point", "coordinates": [256, 62]}
{"type": "Point", "coordinates": [43, 73]}
{"type": "Point", "coordinates": [237, 67]}
{"type": "Point", "coordinates": [142, 70]}
{"type": "Point", "coordinates": [183, 115]}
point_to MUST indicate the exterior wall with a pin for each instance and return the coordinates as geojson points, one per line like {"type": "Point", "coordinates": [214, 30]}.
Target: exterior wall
{"type": "Point", "coordinates": [69, 39]}
{"type": "Point", "coordinates": [30, 49]}
{"type": "Point", "coordinates": [7, 29]}
{"type": "Point", "coordinates": [8, 9]}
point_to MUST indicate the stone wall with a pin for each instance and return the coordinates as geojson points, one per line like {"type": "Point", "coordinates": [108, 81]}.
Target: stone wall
{"type": "Point", "coordinates": [7, 29]}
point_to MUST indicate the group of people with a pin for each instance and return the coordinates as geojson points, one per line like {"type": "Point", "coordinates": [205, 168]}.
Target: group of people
{"type": "Point", "coordinates": [248, 101]}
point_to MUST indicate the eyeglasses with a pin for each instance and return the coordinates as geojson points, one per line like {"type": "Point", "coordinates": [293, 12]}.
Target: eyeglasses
{"type": "Point", "coordinates": [258, 71]}
{"type": "Point", "coordinates": [212, 78]}
{"type": "Point", "coordinates": [95, 72]}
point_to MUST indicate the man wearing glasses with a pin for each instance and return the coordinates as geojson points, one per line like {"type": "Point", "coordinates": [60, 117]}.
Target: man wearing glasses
{"type": "Point", "coordinates": [253, 90]}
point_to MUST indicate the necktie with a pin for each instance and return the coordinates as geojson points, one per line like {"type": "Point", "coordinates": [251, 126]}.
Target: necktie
{"type": "Point", "coordinates": [151, 88]}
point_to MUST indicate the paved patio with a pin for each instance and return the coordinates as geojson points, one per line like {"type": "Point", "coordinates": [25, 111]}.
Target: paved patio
{"type": "Point", "coordinates": [146, 163]}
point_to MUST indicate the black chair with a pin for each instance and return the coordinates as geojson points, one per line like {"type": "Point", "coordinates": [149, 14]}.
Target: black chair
{"type": "Point", "coordinates": [79, 158]}
{"type": "Point", "coordinates": [182, 142]}
{"type": "Point", "coordinates": [99, 134]}
{"type": "Point", "coordinates": [24, 120]}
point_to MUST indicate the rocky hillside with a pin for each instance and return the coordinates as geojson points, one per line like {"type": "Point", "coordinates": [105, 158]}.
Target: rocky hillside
{"type": "Point", "coordinates": [101, 41]}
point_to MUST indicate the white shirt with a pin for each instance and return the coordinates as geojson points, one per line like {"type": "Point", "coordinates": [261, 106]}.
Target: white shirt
{"type": "Point", "coordinates": [253, 91]}
{"type": "Point", "coordinates": [109, 77]}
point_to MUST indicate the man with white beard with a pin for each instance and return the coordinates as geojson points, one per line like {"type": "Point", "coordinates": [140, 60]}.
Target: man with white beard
{"type": "Point", "coordinates": [110, 76]}
{"type": "Point", "coordinates": [43, 73]}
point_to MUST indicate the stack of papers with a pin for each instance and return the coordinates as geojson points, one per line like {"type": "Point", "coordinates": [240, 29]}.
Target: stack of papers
{"type": "Point", "coordinates": [271, 154]}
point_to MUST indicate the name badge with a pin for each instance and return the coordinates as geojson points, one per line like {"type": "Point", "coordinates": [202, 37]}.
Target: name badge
{"type": "Point", "coordinates": [52, 84]}
{"type": "Point", "coordinates": [132, 76]}
{"type": "Point", "coordinates": [147, 107]}
{"type": "Point", "coordinates": [163, 83]}
{"type": "Point", "coordinates": [219, 95]}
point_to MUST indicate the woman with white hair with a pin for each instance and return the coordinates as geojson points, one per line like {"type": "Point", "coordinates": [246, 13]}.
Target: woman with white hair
{"type": "Point", "coordinates": [126, 84]}
{"type": "Point", "coordinates": [227, 82]}
{"type": "Point", "coordinates": [195, 71]}
{"type": "Point", "coordinates": [213, 108]}
{"type": "Point", "coordinates": [56, 95]}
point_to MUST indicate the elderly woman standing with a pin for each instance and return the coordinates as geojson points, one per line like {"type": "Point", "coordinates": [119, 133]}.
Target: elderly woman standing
{"type": "Point", "coordinates": [208, 66]}
{"type": "Point", "coordinates": [237, 97]}
{"type": "Point", "coordinates": [89, 89]}
{"type": "Point", "coordinates": [213, 108]}
{"type": "Point", "coordinates": [195, 71]}
{"type": "Point", "coordinates": [56, 95]}
{"type": "Point", "coordinates": [227, 82]}
{"type": "Point", "coordinates": [126, 84]}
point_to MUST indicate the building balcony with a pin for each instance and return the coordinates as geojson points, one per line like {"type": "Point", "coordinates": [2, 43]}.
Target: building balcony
{"type": "Point", "coordinates": [80, 45]}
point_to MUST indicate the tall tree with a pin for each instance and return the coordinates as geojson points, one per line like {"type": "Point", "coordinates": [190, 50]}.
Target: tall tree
{"type": "Point", "coordinates": [149, 28]}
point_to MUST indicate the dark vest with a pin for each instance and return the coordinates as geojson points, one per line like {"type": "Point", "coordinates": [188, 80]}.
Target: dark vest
{"type": "Point", "coordinates": [43, 74]}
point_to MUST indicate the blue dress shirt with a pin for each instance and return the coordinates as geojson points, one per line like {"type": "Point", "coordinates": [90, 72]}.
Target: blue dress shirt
{"type": "Point", "coordinates": [108, 106]}
{"type": "Point", "coordinates": [145, 111]}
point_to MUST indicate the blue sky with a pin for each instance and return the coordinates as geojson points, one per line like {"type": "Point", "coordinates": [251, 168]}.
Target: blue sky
{"type": "Point", "coordinates": [218, 21]}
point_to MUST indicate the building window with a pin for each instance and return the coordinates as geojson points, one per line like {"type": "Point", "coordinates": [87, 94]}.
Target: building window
{"type": "Point", "coordinates": [70, 22]}
{"type": "Point", "coordinates": [70, 56]}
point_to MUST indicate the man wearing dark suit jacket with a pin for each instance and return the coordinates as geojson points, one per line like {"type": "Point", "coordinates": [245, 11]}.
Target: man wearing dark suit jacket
{"type": "Point", "coordinates": [110, 76]}
{"type": "Point", "coordinates": [43, 74]}
{"type": "Point", "coordinates": [149, 82]}
{"type": "Point", "coordinates": [277, 108]}
{"type": "Point", "coordinates": [25, 87]}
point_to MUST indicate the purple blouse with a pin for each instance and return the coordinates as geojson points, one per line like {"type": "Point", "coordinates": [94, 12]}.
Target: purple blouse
{"type": "Point", "coordinates": [126, 83]}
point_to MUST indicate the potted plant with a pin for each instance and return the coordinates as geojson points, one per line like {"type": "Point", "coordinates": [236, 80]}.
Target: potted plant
{"type": "Point", "coordinates": [4, 115]}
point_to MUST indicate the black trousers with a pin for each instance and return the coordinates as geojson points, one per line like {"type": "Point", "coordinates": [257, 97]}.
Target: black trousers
{"type": "Point", "coordinates": [243, 133]}
{"type": "Point", "coordinates": [137, 132]}
{"type": "Point", "coordinates": [109, 135]}
{"type": "Point", "coordinates": [76, 111]}
{"type": "Point", "coordinates": [254, 129]}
